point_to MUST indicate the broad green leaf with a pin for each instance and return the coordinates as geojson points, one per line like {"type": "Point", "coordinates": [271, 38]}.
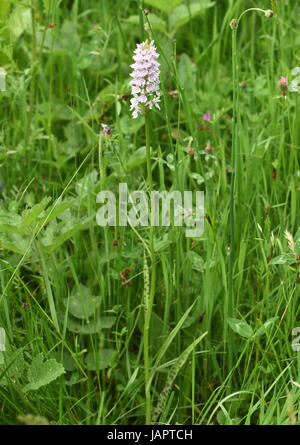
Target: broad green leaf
{"type": "Point", "coordinates": [93, 327]}
{"type": "Point", "coordinates": [285, 259]}
{"type": "Point", "coordinates": [81, 302]}
{"type": "Point", "coordinates": [102, 359]}
{"type": "Point", "coordinates": [42, 373]}
{"type": "Point", "coordinates": [14, 242]}
{"type": "Point", "coordinates": [31, 215]}
{"type": "Point", "coordinates": [240, 327]}
{"type": "Point", "coordinates": [10, 217]}
{"type": "Point", "coordinates": [187, 72]}
{"type": "Point", "coordinates": [66, 232]}
{"type": "Point", "coordinates": [196, 260]}
{"type": "Point", "coordinates": [182, 14]}
{"type": "Point", "coordinates": [163, 5]}
{"type": "Point", "coordinates": [66, 359]}
{"type": "Point", "coordinates": [54, 211]}
{"type": "Point", "coordinates": [19, 21]}
{"type": "Point", "coordinates": [5, 228]}
{"type": "Point", "coordinates": [131, 126]}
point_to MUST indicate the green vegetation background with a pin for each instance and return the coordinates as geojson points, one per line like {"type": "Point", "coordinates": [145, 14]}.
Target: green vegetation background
{"type": "Point", "coordinates": [72, 293]}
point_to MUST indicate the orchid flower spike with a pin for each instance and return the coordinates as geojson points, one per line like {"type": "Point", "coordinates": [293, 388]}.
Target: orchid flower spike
{"type": "Point", "coordinates": [145, 78]}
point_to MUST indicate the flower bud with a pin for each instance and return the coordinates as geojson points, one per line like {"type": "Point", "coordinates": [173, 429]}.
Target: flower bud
{"type": "Point", "coordinates": [234, 24]}
{"type": "Point", "coordinates": [269, 13]}
{"type": "Point", "coordinates": [283, 85]}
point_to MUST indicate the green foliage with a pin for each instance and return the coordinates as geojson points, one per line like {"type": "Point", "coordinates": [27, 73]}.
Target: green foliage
{"type": "Point", "coordinates": [101, 360]}
{"type": "Point", "coordinates": [240, 327]}
{"type": "Point", "coordinates": [41, 373]}
{"type": "Point", "coordinates": [73, 294]}
{"type": "Point", "coordinates": [183, 13]}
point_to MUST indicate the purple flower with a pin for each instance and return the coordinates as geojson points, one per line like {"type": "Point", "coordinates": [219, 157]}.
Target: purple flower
{"type": "Point", "coordinates": [206, 117]}
{"type": "Point", "coordinates": [145, 78]}
{"type": "Point", "coordinates": [106, 128]}
{"type": "Point", "coordinates": [1, 186]}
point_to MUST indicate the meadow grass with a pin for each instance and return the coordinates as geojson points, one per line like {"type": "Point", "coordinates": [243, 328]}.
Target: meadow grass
{"type": "Point", "coordinates": [81, 345]}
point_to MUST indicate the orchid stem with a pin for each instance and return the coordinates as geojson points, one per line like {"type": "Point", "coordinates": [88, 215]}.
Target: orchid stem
{"type": "Point", "coordinates": [149, 306]}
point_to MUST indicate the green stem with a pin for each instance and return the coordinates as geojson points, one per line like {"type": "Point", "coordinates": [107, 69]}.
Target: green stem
{"type": "Point", "coordinates": [153, 278]}
{"type": "Point", "coordinates": [235, 183]}
{"type": "Point", "coordinates": [33, 72]}
{"type": "Point", "coordinates": [232, 184]}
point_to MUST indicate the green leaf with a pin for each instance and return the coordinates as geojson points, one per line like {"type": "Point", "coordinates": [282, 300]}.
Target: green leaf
{"type": "Point", "coordinates": [155, 22]}
{"type": "Point", "coordinates": [14, 242]}
{"type": "Point", "coordinates": [93, 327]}
{"type": "Point", "coordinates": [196, 261]}
{"type": "Point", "coordinates": [30, 215]}
{"type": "Point", "coordinates": [187, 72]}
{"type": "Point", "coordinates": [66, 359]}
{"type": "Point", "coordinates": [285, 259]}
{"type": "Point", "coordinates": [57, 209]}
{"type": "Point", "coordinates": [47, 4]}
{"type": "Point", "coordinates": [182, 14]}
{"type": "Point", "coordinates": [42, 373]}
{"type": "Point", "coordinates": [162, 400]}
{"type": "Point", "coordinates": [163, 5]}
{"type": "Point", "coordinates": [131, 126]}
{"type": "Point", "coordinates": [19, 21]}
{"type": "Point", "coordinates": [102, 359]}
{"type": "Point", "coordinates": [267, 324]}
{"type": "Point", "coordinates": [6, 228]}
{"type": "Point", "coordinates": [65, 232]}
{"type": "Point", "coordinates": [81, 303]}
{"type": "Point", "coordinates": [240, 327]}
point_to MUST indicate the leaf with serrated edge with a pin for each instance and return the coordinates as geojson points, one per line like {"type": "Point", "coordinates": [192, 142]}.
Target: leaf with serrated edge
{"type": "Point", "coordinates": [42, 373]}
